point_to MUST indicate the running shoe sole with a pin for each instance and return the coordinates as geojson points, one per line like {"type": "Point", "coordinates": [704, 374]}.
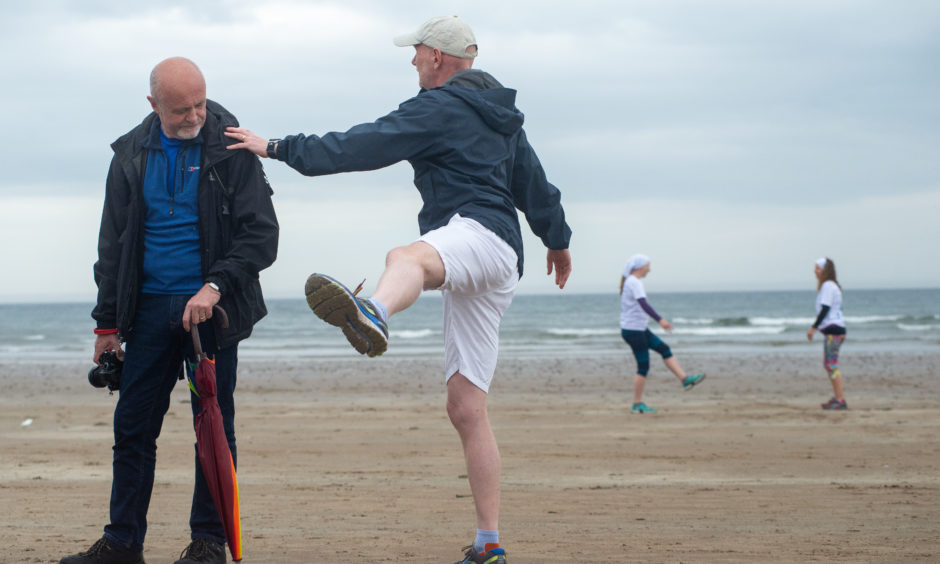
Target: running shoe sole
{"type": "Point", "coordinates": [334, 303]}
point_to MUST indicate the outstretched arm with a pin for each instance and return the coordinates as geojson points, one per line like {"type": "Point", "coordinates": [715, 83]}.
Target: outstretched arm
{"type": "Point", "coordinates": [405, 133]}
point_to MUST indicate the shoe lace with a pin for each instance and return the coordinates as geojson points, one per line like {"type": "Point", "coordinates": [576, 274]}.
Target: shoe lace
{"type": "Point", "coordinates": [468, 555]}
{"type": "Point", "coordinates": [196, 549]}
{"type": "Point", "coordinates": [96, 549]}
{"type": "Point", "coordinates": [359, 287]}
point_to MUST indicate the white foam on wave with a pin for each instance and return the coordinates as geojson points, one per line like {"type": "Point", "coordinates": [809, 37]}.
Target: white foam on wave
{"type": "Point", "coordinates": [780, 320]}
{"type": "Point", "coordinates": [699, 331]}
{"type": "Point", "coordinates": [582, 332]}
{"type": "Point", "coordinates": [723, 331]}
{"type": "Point", "coordinates": [910, 327]}
{"type": "Point", "coordinates": [789, 321]}
{"type": "Point", "coordinates": [693, 321]}
{"type": "Point", "coordinates": [871, 318]}
{"type": "Point", "coordinates": [34, 338]}
{"type": "Point", "coordinates": [411, 334]}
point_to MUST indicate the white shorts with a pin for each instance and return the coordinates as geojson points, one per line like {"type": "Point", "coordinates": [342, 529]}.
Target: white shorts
{"type": "Point", "coordinates": [480, 279]}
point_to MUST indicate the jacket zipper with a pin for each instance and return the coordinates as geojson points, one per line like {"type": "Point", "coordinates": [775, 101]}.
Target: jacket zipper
{"type": "Point", "coordinates": [178, 177]}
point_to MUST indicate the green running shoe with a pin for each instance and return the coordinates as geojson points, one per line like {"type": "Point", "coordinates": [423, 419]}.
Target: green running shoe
{"type": "Point", "coordinates": [642, 408]}
{"type": "Point", "coordinates": [692, 380]}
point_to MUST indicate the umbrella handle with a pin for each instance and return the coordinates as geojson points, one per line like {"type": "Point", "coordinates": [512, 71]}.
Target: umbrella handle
{"type": "Point", "coordinates": [221, 313]}
{"type": "Point", "coordinates": [194, 330]}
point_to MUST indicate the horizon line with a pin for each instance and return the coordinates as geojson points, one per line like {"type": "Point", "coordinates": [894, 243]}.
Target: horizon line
{"type": "Point", "coordinates": [37, 300]}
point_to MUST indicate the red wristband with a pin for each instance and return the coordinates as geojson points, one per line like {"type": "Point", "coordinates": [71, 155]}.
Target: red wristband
{"type": "Point", "coordinates": [106, 331]}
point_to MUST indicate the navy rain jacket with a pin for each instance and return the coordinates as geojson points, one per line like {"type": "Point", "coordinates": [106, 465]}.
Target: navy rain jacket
{"type": "Point", "coordinates": [469, 152]}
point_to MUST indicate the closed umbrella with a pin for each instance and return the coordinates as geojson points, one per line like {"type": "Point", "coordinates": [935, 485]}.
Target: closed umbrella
{"type": "Point", "coordinates": [215, 457]}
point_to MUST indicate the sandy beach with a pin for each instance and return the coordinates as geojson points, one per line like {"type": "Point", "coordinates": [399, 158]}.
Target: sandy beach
{"type": "Point", "coordinates": [355, 461]}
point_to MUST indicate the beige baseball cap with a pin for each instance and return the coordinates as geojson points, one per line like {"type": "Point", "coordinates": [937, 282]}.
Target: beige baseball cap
{"type": "Point", "coordinates": [450, 34]}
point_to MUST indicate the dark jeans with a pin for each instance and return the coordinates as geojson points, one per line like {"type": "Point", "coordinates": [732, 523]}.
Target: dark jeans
{"type": "Point", "coordinates": [153, 358]}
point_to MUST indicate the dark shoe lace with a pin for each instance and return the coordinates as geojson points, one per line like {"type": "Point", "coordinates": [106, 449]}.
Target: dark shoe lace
{"type": "Point", "coordinates": [201, 550]}
{"type": "Point", "coordinates": [100, 546]}
{"type": "Point", "coordinates": [105, 551]}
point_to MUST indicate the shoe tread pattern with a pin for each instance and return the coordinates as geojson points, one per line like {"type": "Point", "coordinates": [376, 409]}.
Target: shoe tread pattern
{"type": "Point", "coordinates": [335, 305]}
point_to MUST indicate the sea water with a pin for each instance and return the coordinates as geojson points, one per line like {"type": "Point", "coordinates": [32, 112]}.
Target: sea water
{"type": "Point", "coordinates": [558, 324]}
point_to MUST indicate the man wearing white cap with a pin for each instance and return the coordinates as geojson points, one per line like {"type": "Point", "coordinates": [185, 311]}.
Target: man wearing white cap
{"type": "Point", "coordinates": [474, 168]}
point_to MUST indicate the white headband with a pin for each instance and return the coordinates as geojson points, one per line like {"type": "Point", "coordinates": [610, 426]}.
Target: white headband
{"type": "Point", "coordinates": [821, 263]}
{"type": "Point", "coordinates": [635, 262]}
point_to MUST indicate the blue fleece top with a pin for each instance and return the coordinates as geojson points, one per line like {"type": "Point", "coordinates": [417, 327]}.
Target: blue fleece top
{"type": "Point", "coordinates": [469, 153]}
{"type": "Point", "coordinates": [172, 263]}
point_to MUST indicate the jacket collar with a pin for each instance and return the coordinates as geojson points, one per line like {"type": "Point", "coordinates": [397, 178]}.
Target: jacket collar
{"type": "Point", "coordinates": [214, 141]}
{"type": "Point", "coordinates": [153, 141]}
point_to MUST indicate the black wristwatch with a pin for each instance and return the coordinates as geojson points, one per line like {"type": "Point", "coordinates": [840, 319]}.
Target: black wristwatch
{"type": "Point", "coordinates": [272, 148]}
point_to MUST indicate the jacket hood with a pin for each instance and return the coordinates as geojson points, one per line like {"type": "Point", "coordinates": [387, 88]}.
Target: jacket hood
{"type": "Point", "coordinates": [214, 140]}
{"type": "Point", "coordinates": [488, 98]}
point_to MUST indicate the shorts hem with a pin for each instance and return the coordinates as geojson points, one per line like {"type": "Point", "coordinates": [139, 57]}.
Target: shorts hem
{"type": "Point", "coordinates": [485, 386]}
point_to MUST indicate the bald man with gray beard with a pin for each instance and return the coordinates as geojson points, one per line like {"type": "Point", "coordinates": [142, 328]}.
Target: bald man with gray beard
{"type": "Point", "coordinates": [186, 226]}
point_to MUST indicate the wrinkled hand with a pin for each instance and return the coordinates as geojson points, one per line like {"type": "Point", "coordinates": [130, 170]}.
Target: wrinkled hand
{"type": "Point", "coordinates": [560, 260]}
{"type": "Point", "coordinates": [199, 307]}
{"type": "Point", "coordinates": [107, 343]}
{"type": "Point", "coordinates": [248, 140]}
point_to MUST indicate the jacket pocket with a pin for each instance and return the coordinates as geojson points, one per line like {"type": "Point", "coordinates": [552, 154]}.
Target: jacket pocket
{"type": "Point", "coordinates": [223, 196]}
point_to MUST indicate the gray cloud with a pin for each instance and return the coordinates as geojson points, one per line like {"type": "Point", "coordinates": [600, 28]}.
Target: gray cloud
{"type": "Point", "coordinates": [762, 105]}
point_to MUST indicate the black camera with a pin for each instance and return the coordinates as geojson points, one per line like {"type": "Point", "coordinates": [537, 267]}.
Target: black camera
{"type": "Point", "coordinates": [108, 373]}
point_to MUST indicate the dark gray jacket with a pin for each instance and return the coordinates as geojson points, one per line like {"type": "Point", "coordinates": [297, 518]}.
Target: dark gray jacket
{"type": "Point", "coordinates": [238, 228]}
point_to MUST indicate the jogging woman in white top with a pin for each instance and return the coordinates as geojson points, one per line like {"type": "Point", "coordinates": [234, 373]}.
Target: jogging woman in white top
{"type": "Point", "coordinates": [635, 312]}
{"type": "Point", "coordinates": [831, 324]}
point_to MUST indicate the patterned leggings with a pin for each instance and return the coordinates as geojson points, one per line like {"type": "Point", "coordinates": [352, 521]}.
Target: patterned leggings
{"type": "Point", "coordinates": [831, 354]}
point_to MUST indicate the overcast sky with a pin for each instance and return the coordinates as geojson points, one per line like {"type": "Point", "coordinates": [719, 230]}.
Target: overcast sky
{"type": "Point", "coordinates": [732, 141]}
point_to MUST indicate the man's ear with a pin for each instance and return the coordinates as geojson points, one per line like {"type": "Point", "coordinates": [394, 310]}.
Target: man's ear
{"type": "Point", "coordinates": [153, 103]}
{"type": "Point", "coordinates": [438, 57]}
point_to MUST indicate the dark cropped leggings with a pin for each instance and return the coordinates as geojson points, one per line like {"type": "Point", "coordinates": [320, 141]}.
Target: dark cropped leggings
{"type": "Point", "coordinates": [641, 342]}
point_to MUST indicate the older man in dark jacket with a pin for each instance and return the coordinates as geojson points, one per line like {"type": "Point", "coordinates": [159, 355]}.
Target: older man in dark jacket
{"type": "Point", "coordinates": [186, 225]}
{"type": "Point", "coordinates": [474, 168]}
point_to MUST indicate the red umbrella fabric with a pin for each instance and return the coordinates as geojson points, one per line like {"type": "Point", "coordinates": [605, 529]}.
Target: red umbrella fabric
{"type": "Point", "coordinates": [215, 457]}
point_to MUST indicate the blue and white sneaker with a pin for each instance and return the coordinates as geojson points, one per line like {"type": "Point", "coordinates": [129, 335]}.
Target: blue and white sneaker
{"type": "Point", "coordinates": [337, 305]}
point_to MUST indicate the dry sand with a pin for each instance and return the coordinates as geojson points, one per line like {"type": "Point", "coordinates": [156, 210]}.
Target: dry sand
{"type": "Point", "coordinates": [355, 461]}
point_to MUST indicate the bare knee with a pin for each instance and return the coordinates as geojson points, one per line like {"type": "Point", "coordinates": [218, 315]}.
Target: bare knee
{"type": "Point", "coordinates": [397, 255]}
{"type": "Point", "coordinates": [421, 258]}
{"type": "Point", "coordinates": [460, 412]}
{"type": "Point", "coordinates": [466, 404]}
